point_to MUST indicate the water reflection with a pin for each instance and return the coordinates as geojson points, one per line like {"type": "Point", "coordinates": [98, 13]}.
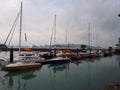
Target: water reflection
{"type": "Point", "coordinates": [118, 59]}
{"type": "Point", "coordinates": [77, 62]}
{"type": "Point", "coordinates": [58, 66]}
{"type": "Point", "coordinates": [90, 60]}
{"type": "Point", "coordinates": [16, 79]}
{"type": "Point", "coordinates": [58, 73]}
{"type": "Point", "coordinates": [80, 75]}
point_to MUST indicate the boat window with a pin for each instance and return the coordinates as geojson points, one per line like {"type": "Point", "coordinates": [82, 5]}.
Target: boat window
{"type": "Point", "coordinates": [28, 54]}
{"type": "Point", "coordinates": [21, 55]}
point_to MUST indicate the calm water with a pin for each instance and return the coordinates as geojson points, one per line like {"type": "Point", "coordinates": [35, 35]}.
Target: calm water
{"type": "Point", "coordinates": [84, 75]}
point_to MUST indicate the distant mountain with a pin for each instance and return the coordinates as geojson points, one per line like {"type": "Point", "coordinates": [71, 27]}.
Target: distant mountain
{"type": "Point", "coordinates": [72, 46]}
{"type": "Point", "coordinates": [62, 46]}
{"type": "Point", "coordinates": [17, 46]}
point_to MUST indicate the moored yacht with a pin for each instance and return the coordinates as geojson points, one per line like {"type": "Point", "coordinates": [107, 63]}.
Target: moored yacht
{"type": "Point", "coordinates": [55, 60]}
{"type": "Point", "coordinates": [28, 57]}
{"type": "Point", "coordinates": [25, 57]}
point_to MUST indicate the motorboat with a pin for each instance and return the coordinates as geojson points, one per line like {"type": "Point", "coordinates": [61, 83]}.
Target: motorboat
{"type": "Point", "coordinates": [22, 66]}
{"type": "Point", "coordinates": [55, 60]}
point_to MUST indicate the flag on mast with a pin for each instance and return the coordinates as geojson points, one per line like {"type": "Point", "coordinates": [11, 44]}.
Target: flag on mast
{"type": "Point", "coordinates": [25, 37]}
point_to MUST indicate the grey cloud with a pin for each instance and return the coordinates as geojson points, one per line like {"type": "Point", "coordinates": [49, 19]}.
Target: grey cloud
{"type": "Point", "coordinates": [73, 15]}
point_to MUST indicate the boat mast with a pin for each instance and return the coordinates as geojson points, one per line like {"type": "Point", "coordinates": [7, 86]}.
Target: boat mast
{"type": "Point", "coordinates": [67, 43]}
{"type": "Point", "coordinates": [66, 37]}
{"type": "Point", "coordinates": [55, 32]}
{"type": "Point", "coordinates": [53, 35]}
{"type": "Point", "coordinates": [20, 29]}
{"type": "Point", "coordinates": [97, 40]}
{"type": "Point", "coordinates": [89, 35]}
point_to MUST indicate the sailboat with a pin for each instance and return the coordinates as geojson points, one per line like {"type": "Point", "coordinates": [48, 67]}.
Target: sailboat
{"type": "Point", "coordinates": [21, 65]}
{"type": "Point", "coordinates": [52, 56]}
{"type": "Point", "coordinates": [27, 56]}
{"type": "Point", "coordinates": [68, 53]}
{"type": "Point", "coordinates": [90, 51]}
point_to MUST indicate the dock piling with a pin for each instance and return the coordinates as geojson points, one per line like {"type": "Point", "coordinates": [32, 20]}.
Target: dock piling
{"type": "Point", "coordinates": [11, 55]}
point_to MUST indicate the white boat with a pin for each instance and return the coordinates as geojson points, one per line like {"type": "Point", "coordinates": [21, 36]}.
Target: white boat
{"type": "Point", "coordinates": [22, 56]}
{"type": "Point", "coordinates": [28, 57]}
{"type": "Point", "coordinates": [55, 60]}
{"type": "Point", "coordinates": [22, 66]}
{"type": "Point", "coordinates": [84, 54]}
{"type": "Point", "coordinates": [25, 57]}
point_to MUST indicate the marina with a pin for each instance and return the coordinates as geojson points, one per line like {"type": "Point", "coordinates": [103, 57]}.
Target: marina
{"type": "Point", "coordinates": [88, 74]}
{"type": "Point", "coordinates": [77, 49]}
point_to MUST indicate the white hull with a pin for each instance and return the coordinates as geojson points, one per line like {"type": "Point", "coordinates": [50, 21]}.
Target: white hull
{"type": "Point", "coordinates": [28, 59]}
{"type": "Point", "coordinates": [25, 59]}
{"type": "Point", "coordinates": [22, 66]}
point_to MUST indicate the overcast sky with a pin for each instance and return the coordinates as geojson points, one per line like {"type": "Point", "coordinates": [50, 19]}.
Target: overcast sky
{"type": "Point", "coordinates": [72, 16]}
